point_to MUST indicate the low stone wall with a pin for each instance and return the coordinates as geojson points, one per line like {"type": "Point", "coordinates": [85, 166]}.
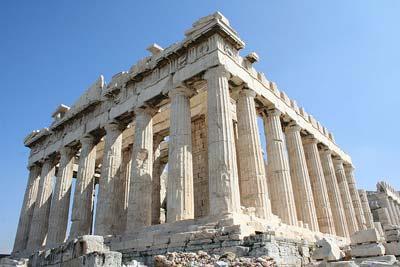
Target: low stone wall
{"type": "Point", "coordinates": [284, 252]}
{"type": "Point", "coordinates": [88, 251]}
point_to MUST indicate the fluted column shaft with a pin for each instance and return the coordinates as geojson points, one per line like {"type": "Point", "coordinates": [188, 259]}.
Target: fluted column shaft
{"type": "Point", "coordinates": [282, 197]}
{"type": "Point", "coordinates": [123, 199]}
{"type": "Point", "coordinates": [140, 189]}
{"type": "Point", "coordinates": [384, 203]}
{"type": "Point", "coordinates": [158, 167]}
{"type": "Point", "coordinates": [222, 166]}
{"type": "Point", "coordinates": [335, 199]}
{"type": "Point", "coordinates": [252, 180]}
{"type": "Point", "coordinates": [81, 217]}
{"type": "Point", "coordinates": [349, 171]}
{"type": "Point", "coordinates": [40, 219]}
{"type": "Point", "coordinates": [58, 219]}
{"type": "Point", "coordinates": [28, 205]}
{"type": "Point", "coordinates": [300, 178]}
{"type": "Point", "coordinates": [180, 201]}
{"type": "Point", "coordinates": [366, 208]}
{"type": "Point", "coordinates": [108, 213]}
{"type": "Point", "coordinates": [318, 184]}
{"type": "Point", "coordinates": [398, 212]}
{"type": "Point", "coordinates": [346, 197]}
{"type": "Point", "coordinates": [395, 212]}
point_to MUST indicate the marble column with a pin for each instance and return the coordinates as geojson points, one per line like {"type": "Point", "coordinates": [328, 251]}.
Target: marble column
{"type": "Point", "coordinates": [383, 216]}
{"type": "Point", "coordinates": [158, 168]}
{"type": "Point", "coordinates": [281, 190]}
{"type": "Point", "coordinates": [123, 199]}
{"type": "Point", "coordinates": [28, 205]}
{"type": "Point", "coordinates": [140, 189]}
{"type": "Point", "coordinates": [383, 200]}
{"type": "Point", "coordinates": [397, 206]}
{"type": "Point", "coordinates": [346, 197]}
{"type": "Point", "coordinates": [40, 219]}
{"type": "Point", "coordinates": [253, 184]}
{"type": "Point", "coordinates": [349, 171]}
{"type": "Point", "coordinates": [335, 200]}
{"type": "Point", "coordinates": [318, 184]}
{"type": "Point", "coordinates": [300, 178]}
{"type": "Point", "coordinates": [58, 218]}
{"type": "Point", "coordinates": [366, 208]}
{"type": "Point", "coordinates": [81, 217]}
{"type": "Point", "coordinates": [395, 213]}
{"type": "Point", "coordinates": [180, 202]}
{"type": "Point", "coordinates": [107, 210]}
{"type": "Point", "coordinates": [224, 193]}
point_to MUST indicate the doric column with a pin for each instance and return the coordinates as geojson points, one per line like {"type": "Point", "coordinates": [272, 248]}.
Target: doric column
{"type": "Point", "coordinates": [367, 210]}
{"type": "Point", "coordinates": [40, 219]}
{"type": "Point", "coordinates": [398, 212]}
{"type": "Point", "coordinates": [107, 210]}
{"type": "Point", "coordinates": [180, 204]}
{"type": "Point", "coordinates": [282, 198]}
{"type": "Point", "coordinates": [158, 167]}
{"type": "Point", "coordinates": [383, 200]}
{"type": "Point", "coordinates": [81, 217]}
{"type": "Point", "coordinates": [335, 200]}
{"type": "Point", "coordinates": [252, 180]}
{"type": "Point", "coordinates": [222, 165]}
{"type": "Point", "coordinates": [140, 189]}
{"type": "Point", "coordinates": [123, 189]}
{"type": "Point", "coordinates": [346, 197]}
{"type": "Point", "coordinates": [395, 213]}
{"type": "Point", "coordinates": [300, 178]}
{"type": "Point", "coordinates": [58, 219]}
{"type": "Point", "coordinates": [383, 216]}
{"type": "Point", "coordinates": [318, 184]}
{"type": "Point", "coordinates": [349, 171]}
{"type": "Point", "coordinates": [28, 205]}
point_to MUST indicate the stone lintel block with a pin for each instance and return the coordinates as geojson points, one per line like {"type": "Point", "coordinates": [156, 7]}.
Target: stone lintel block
{"type": "Point", "coordinates": [392, 248]}
{"type": "Point", "coordinates": [366, 236]}
{"type": "Point", "coordinates": [366, 250]}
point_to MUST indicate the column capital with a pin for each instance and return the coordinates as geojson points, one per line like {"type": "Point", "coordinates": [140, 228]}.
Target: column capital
{"type": "Point", "coordinates": [146, 110]}
{"type": "Point", "coordinates": [34, 164]}
{"type": "Point", "coordinates": [87, 139]}
{"type": "Point", "coordinates": [273, 111]}
{"type": "Point", "coordinates": [113, 126]}
{"type": "Point", "coordinates": [66, 151]}
{"type": "Point", "coordinates": [348, 167]}
{"type": "Point", "coordinates": [310, 139]}
{"type": "Point", "coordinates": [182, 90]}
{"type": "Point", "coordinates": [326, 151]}
{"type": "Point", "coordinates": [337, 161]}
{"type": "Point", "coordinates": [219, 71]}
{"type": "Point", "coordinates": [248, 92]}
{"type": "Point", "coordinates": [293, 127]}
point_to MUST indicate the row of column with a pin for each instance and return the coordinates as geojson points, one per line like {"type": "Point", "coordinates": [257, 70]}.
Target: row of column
{"type": "Point", "coordinates": [304, 183]}
{"type": "Point", "coordinates": [392, 207]}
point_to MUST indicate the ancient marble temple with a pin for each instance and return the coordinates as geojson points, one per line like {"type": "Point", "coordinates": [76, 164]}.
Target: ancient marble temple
{"type": "Point", "coordinates": [173, 144]}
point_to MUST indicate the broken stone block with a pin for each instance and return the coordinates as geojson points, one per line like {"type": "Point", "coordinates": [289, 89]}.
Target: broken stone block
{"type": "Point", "coordinates": [392, 248]}
{"type": "Point", "coordinates": [366, 250]}
{"type": "Point", "coordinates": [366, 236]}
{"type": "Point", "coordinates": [7, 262]}
{"type": "Point", "coordinates": [387, 260]}
{"type": "Point", "coordinates": [327, 250]}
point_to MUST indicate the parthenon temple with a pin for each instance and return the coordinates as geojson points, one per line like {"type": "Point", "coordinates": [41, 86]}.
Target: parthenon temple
{"type": "Point", "coordinates": [173, 148]}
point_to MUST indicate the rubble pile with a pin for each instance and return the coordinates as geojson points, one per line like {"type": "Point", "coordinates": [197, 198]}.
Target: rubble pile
{"type": "Point", "coordinates": [202, 258]}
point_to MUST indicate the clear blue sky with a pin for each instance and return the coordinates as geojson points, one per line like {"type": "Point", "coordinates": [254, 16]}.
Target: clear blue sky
{"type": "Point", "coordinates": [338, 59]}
